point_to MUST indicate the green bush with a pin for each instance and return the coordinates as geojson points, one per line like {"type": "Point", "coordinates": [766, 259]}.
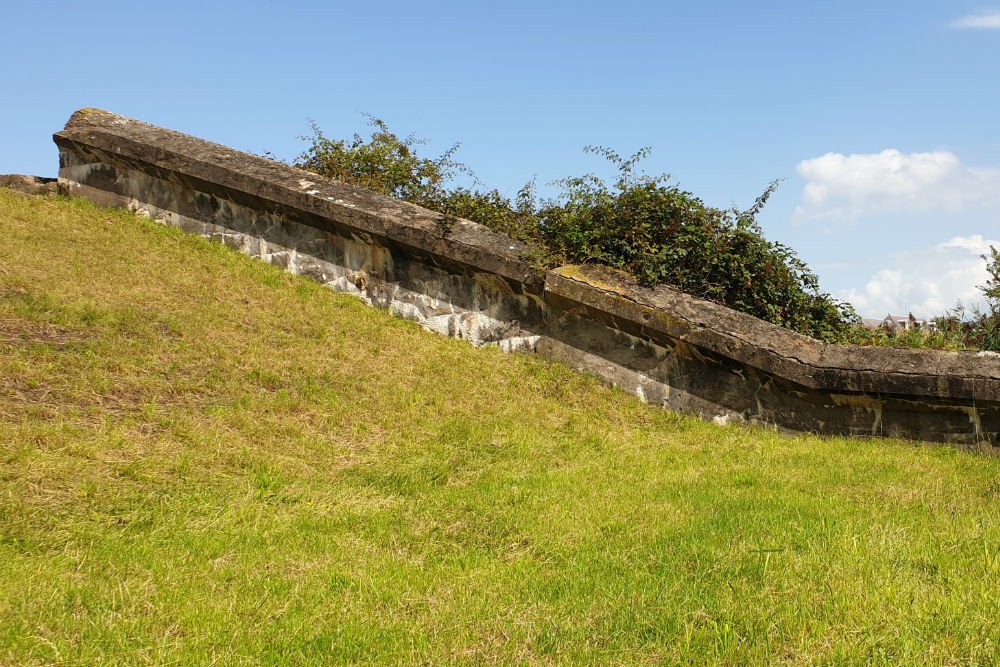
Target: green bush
{"type": "Point", "coordinates": [651, 229]}
{"type": "Point", "coordinates": [663, 235]}
{"type": "Point", "coordinates": [385, 164]}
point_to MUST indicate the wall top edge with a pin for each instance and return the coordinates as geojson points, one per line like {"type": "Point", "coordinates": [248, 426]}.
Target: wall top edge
{"type": "Point", "coordinates": [127, 140]}
{"type": "Point", "coordinates": [767, 346]}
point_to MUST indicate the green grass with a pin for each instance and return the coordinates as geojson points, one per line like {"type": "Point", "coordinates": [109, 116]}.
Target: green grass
{"type": "Point", "coordinates": [204, 460]}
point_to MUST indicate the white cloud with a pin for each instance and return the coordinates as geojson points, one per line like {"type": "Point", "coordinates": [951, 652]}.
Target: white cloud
{"type": "Point", "coordinates": [925, 282]}
{"type": "Point", "coordinates": [843, 188]}
{"type": "Point", "coordinates": [989, 20]}
{"type": "Point", "coordinates": [975, 244]}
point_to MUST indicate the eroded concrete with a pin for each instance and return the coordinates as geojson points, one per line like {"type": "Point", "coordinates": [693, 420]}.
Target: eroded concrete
{"type": "Point", "coordinates": [468, 282]}
{"type": "Point", "coordinates": [28, 185]}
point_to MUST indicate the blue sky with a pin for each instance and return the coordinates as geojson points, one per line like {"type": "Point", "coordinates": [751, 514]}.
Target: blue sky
{"type": "Point", "coordinates": [881, 116]}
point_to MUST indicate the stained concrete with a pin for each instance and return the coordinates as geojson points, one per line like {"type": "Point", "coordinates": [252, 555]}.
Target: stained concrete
{"type": "Point", "coordinates": [466, 281]}
{"type": "Point", "coordinates": [29, 185]}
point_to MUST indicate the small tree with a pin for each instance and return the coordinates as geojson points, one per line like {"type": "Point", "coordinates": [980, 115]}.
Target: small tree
{"type": "Point", "coordinates": [991, 290]}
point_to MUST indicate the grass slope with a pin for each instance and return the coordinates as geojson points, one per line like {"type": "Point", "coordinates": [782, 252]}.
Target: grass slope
{"type": "Point", "coordinates": [204, 460]}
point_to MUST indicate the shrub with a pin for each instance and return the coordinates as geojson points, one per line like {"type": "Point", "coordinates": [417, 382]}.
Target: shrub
{"type": "Point", "coordinates": [386, 164]}
{"type": "Point", "coordinates": [643, 225]}
{"type": "Point", "coordinates": [663, 235]}
{"type": "Point", "coordinates": [990, 325]}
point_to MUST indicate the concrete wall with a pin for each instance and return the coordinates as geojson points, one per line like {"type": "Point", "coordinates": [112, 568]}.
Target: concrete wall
{"type": "Point", "coordinates": [466, 281]}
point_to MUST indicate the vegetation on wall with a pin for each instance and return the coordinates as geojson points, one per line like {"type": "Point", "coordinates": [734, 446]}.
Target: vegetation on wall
{"type": "Point", "coordinates": [648, 227]}
{"type": "Point", "coordinates": [644, 225]}
{"type": "Point", "coordinates": [958, 329]}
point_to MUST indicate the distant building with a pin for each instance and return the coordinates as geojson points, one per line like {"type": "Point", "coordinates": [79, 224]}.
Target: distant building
{"type": "Point", "coordinates": [904, 322]}
{"type": "Point", "coordinates": [897, 323]}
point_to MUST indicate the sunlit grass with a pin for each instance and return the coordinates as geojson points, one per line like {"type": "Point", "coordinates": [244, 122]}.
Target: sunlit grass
{"type": "Point", "coordinates": [204, 460]}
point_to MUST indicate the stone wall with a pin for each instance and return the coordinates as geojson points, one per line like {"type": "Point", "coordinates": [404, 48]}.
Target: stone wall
{"type": "Point", "coordinates": [466, 281]}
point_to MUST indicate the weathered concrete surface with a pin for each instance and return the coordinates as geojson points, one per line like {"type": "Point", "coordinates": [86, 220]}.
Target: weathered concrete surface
{"type": "Point", "coordinates": [664, 313]}
{"type": "Point", "coordinates": [94, 139]}
{"type": "Point", "coordinates": [729, 365]}
{"type": "Point", "coordinates": [477, 306]}
{"type": "Point", "coordinates": [29, 185]}
{"type": "Point", "coordinates": [469, 282]}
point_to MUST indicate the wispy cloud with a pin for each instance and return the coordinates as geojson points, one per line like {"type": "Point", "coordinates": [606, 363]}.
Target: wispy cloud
{"type": "Point", "coordinates": [986, 20]}
{"type": "Point", "coordinates": [925, 282]}
{"type": "Point", "coordinates": [844, 188]}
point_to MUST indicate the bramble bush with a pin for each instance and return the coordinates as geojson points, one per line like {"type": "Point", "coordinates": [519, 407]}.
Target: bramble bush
{"type": "Point", "coordinates": [644, 225]}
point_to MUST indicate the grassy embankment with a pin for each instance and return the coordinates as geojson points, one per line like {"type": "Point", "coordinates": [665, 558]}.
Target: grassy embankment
{"type": "Point", "coordinates": [206, 461]}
